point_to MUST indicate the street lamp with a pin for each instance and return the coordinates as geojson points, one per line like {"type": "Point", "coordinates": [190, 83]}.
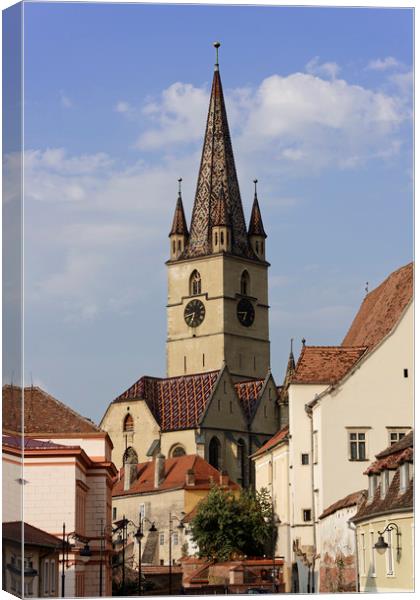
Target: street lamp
{"type": "Point", "coordinates": [381, 545]}
{"type": "Point", "coordinates": [85, 551]}
{"type": "Point", "coordinates": [139, 536]}
{"type": "Point", "coordinates": [181, 526]}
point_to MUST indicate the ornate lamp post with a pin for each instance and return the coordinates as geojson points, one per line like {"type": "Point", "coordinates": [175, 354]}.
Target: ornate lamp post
{"type": "Point", "coordinates": [85, 551]}
{"type": "Point", "coordinates": [181, 526]}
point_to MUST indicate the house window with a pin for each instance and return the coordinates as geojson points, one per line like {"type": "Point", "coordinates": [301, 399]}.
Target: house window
{"type": "Point", "coordinates": [175, 538]}
{"type": "Point", "coordinates": [372, 554]}
{"type": "Point", "coordinates": [305, 459]}
{"type": "Point", "coordinates": [114, 513]}
{"type": "Point", "coordinates": [397, 434]}
{"type": "Point", "coordinates": [195, 283]}
{"type": "Point", "coordinates": [161, 539]}
{"type": "Point", "coordinates": [46, 578]}
{"type": "Point", "coordinates": [362, 554]}
{"type": "Point", "coordinates": [128, 423]}
{"type": "Point", "coordinates": [389, 555]}
{"type": "Point", "coordinates": [357, 440]}
{"type": "Point", "coordinates": [405, 372]}
{"type": "Point", "coordinates": [142, 511]}
{"type": "Point", "coordinates": [307, 514]}
{"type": "Point", "coordinates": [214, 452]}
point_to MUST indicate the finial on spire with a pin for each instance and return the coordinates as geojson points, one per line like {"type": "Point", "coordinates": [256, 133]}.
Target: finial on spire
{"type": "Point", "coordinates": [291, 345]}
{"type": "Point", "coordinates": [179, 186]}
{"type": "Point", "coordinates": [367, 287]}
{"type": "Point", "coordinates": [217, 46]}
{"type": "Point", "coordinates": [255, 186]}
{"type": "Point", "coordinates": [303, 342]}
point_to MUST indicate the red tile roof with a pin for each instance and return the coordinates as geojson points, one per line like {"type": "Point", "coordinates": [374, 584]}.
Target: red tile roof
{"type": "Point", "coordinates": [278, 437]}
{"type": "Point", "coordinates": [381, 309]}
{"type": "Point", "coordinates": [12, 531]}
{"type": "Point", "coordinates": [353, 499]}
{"type": "Point", "coordinates": [14, 441]}
{"type": "Point", "coordinates": [43, 413]}
{"type": "Point", "coordinates": [175, 402]}
{"type": "Point", "coordinates": [325, 364]}
{"type": "Point", "coordinates": [390, 458]}
{"type": "Point", "coordinates": [175, 476]}
{"type": "Point", "coordinates": [248, 393]}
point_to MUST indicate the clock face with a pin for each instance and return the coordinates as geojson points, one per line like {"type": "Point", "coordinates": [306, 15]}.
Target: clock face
{"type": "Point", "coordinates": [194, 313]}
{"type": "Point", "coordinates": [245, 312]}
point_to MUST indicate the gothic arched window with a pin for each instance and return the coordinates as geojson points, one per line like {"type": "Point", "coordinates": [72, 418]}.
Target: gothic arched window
{"type": "Point", "coordinates": [241, 459]}
{"type": "Point", "coordinates": [130, 456]}
{"type": "Point", "coordinates": [214, 453]}
{"type": "Point", "coordinates": [195, 283]}
{"type": "Point", "coordinates": [177, 450]}
{"type": "Point", "coordinates": [128, 423]}
{"type": "Point", "coordinates": [245, 283]}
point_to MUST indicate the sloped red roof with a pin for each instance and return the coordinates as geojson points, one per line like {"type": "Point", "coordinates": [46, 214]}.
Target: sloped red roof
{"type": "Point", "coordinates": [13, 530]}
{"type": "Point", "coordinates": [43, 413]}
{"type": "Point", "coordinates": [393, 456]}
{"type": "Point", "coordinates": [351, 500]}
{"type": "Point", "coordinates": [15, 441]}
{"type": "Point", "coordinates": [278, 437]}
{"type": "Point", "coordinates": [325, 364]}
{"type": "Point", "coordinates": [174, 478]}
{"type": "Point", "coordinates": [248, 393]}
{"type": "Point", "coordinates": [381, 309]}
{"type": "Point", "coordinates": [175, 402]}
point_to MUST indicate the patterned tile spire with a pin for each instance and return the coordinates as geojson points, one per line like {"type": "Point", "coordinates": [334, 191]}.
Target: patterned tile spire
{"type": "Point", "coordinates": [256, 226]}
{"type": "Point", "coordinates": [179, 224]}
{"type": "Point", "coordinates": [217, 169]}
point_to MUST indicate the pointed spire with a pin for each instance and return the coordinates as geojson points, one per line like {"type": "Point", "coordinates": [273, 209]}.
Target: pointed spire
{"type": "Point", "coordinates": [221, 214]}
{"type": "Point", "coordinates": [256, 226]}
{"type": "Point", "coordinates": [291, 366]}
{"type": "Point", "coordinates": [217, 168]}
{"type": "Point", "coordinates": [179, 224]}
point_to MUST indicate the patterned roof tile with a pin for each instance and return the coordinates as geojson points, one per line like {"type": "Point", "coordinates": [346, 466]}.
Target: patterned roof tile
{"type": "Point", "coordinates": [248, 393]}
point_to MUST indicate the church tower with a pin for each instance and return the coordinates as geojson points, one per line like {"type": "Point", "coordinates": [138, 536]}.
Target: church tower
{"type": "Point", "coordinates": [217, 272]}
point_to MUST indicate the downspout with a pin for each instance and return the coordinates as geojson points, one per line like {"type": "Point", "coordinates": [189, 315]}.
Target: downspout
{"type": "Point", "coordinates": [354, 528]}
{"type": "Point", "coordinates": [308, 410]}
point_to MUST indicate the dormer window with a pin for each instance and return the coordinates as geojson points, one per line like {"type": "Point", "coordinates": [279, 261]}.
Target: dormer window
{"type": "Point", "coordinates": [384, 483]}
{"type": "Point", "coordinates": [372, 487]}
{"type": "Point", "coordinates": [404, 477]}
{"type": "Point", "coordinates": [195, 283]}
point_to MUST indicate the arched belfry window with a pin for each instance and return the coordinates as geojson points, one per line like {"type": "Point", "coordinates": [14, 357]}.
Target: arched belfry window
{"type": "Point", "coordinates": [195, 283]}
{"type": "Point", "coordinates": [177, 450]}
{"type": "Point", "coordinates": [214, 453]}
{"type": "Point", "coordinates": [245, 283]}
{"type": "Point", "coordinates": [128, 423]}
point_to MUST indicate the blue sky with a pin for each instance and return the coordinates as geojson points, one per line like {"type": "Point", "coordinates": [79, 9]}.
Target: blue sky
{"type": "Point", "coordinates": [319, 104]}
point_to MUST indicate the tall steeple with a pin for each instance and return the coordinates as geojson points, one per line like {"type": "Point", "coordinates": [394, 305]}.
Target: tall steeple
{"type": "Point", "coordinates": [256, 233]}
{"type": "Point", "coordinates": [217, 170]}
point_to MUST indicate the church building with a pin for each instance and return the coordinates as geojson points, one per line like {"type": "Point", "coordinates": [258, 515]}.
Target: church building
{"type": "Point", "coordinates": [219, 399]}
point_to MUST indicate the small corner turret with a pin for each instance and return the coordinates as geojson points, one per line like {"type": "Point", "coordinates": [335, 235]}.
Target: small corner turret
{"type": "Point", "coordinates": [221, 230]}
{"type": "Point", "coordinates": [179, 232]}
{"type": "Point", "coordinates": [256, 233]}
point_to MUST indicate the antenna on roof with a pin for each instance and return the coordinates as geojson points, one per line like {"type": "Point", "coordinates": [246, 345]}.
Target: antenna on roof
{"type": "Point", "coordinates": [367, 287]}
{"type": "Point", "coordinates": [217, 46]}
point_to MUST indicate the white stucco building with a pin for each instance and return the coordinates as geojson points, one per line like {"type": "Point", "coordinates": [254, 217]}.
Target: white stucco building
{"type": "Point", "coordinates": [345, 404]}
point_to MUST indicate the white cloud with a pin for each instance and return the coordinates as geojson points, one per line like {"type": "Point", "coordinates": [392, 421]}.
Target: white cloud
{"type": "Point", "coordinates": [178, 117]}
{"type": "Point", "coordinates": [383, 64]}
{"type": "Point", "coordinates": [327, 69]}
{"type": "Point", "coordinates": [122, 107]}
{"type": "Point", "coordinates": [65, 101]}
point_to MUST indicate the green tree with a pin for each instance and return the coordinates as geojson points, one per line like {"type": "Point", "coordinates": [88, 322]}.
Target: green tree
{"type": "Point", "coordinates": [225, 524]}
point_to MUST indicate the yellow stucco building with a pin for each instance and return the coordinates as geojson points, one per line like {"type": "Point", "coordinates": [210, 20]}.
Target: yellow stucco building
{"type": "Point", "coordinates": [219, 399]}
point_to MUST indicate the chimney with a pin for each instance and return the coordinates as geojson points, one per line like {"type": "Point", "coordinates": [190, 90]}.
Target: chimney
{"type": "Point", "coordinates": [224, 478]}
{"type": "Point", "coordinates": [190, 477]}
{"type": "Point", "coordinates": [159, 469]}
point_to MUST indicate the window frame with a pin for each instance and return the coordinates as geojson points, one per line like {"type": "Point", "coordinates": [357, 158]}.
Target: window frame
{"type": "Point", "coordinates": [309, 514]}
{"type": "Point", "coordinates": [400, 432]}
{"type": "Point", "coordinates": [304, 458]}
{"type": "Point", "coordinates": [359, 442]}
